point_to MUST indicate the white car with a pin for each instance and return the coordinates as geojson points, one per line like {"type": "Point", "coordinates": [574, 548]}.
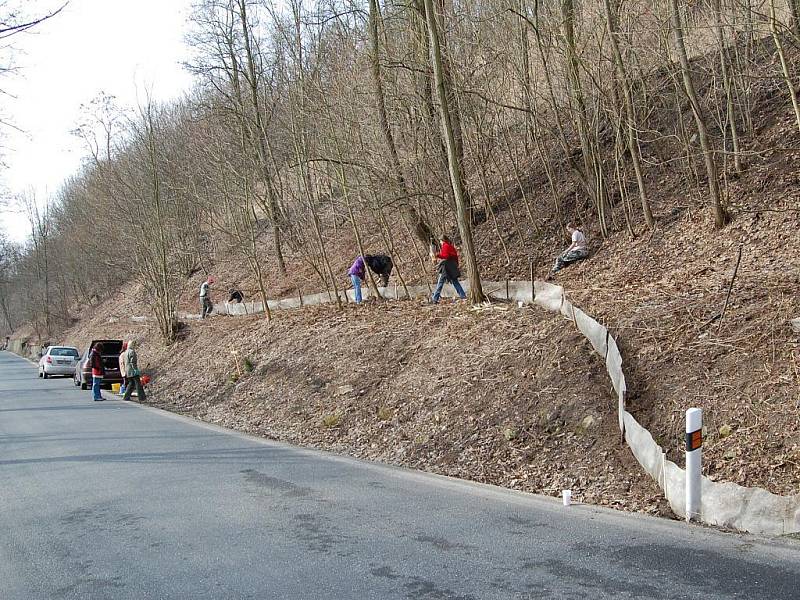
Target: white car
{"type": "Point", "coordinates": [58, 360]}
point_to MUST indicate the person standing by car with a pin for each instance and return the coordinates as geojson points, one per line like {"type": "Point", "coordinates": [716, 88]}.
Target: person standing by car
{"type": "Point", "coordinates": [122, 368]}
{"type": "Point", "coordinates": [98, 370]}
{"type": "Point", "coordinates": [134, 376]}
{"type": "Point", "coordinates": [206, 306]}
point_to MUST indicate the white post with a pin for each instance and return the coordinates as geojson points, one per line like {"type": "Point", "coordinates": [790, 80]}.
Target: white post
{"type": "Point", "coordinates": [694, 457]}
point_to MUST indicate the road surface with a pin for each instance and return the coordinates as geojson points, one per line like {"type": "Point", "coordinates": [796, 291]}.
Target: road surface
{"type": "Point", "coordinates": [114, 500]}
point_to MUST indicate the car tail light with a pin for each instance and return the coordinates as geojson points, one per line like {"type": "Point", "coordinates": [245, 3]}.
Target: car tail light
{"type": "Point", "coordinates": [49, 361]}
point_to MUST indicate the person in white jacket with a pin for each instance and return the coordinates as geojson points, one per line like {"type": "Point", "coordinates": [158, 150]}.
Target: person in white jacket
{"type": "Point", "coordinates": [206, 306]}
{"type": "Point", "coordinates": [122, 369]}
{"type": "Point", "coordinates": [133, 373]}
{"type": "Point", "coordinates": [578, 249]}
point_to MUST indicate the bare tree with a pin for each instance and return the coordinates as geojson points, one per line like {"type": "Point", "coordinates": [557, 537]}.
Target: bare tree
{"type": "Point", "coordinates": [628, 104]}
{"type": "Point", "coordinates": [476, 294]}
{"type": "Point", "coordinates": [720, 214]}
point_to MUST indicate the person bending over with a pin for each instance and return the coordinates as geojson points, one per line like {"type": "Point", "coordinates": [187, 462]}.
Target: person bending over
{"type": "Point", "coordinates": [235, 296]}
{"type": "Point", "coordinates": [357, 274]}
{"type": "Point", "coordinates": [381, 265]}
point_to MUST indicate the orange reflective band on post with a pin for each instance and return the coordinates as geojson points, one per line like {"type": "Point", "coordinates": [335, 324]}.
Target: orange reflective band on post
{"type": "Point", "coordinates": [694, 440]}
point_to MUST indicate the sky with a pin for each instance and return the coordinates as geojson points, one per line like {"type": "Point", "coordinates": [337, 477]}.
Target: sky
{"type": "Point", "coordinates": [119, 47]}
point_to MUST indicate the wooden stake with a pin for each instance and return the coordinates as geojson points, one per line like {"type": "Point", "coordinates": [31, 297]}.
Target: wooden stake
{"type": "Point", "coordinates": [730, 287]}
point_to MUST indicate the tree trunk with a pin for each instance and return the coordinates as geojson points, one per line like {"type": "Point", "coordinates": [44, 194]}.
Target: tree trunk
{"type": "Point", "coordinates": [593, 169]}
{"type": "Point", "coordinates": [259, 136]}
{"type": "Point", "coordinates": [727, 82]}
{"type": "Point", "coordinates": [476, 294]}
{"type": "Point", "coordinates": [527, 97]}
{"type": "Point", "coordinates": [453, 113]}
{"type": "Point", "coordinates": [630, 117]}
{"type": "Point", "coordinates": [794, 8]}
{"type": "Point", "coordinates": [720, 214]}
{"type": "Point", "coordinates": [165, 302]}
{"type": "Point", "coordinates": [421, 228]}
{"type": "Point", "coordinates": [773, 27]}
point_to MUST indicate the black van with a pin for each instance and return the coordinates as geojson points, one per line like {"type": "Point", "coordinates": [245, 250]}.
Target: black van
{"type": "Point", "coordinates": [111, 351]}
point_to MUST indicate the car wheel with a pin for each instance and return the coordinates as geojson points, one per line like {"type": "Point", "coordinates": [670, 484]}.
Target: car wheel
{"type": "Point", "coordinates": [84, 385]}
{"type": "Point", "coordinates": [45, 375]}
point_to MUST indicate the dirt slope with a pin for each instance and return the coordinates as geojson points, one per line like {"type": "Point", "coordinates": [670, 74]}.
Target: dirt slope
{"type": "Point", "coordinates": [507, 396]}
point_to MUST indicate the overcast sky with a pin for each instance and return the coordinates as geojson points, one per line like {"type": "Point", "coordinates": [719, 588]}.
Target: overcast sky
{"type": "Point", "coordinates": [120, 47]}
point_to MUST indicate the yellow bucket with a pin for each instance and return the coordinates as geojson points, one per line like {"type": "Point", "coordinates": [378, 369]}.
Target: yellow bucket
{"type": "Point", "coordinates": [115, 388]}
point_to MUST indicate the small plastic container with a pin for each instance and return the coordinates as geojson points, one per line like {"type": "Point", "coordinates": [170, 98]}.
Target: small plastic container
{"type": "Point", "coordinates": [115, 388]}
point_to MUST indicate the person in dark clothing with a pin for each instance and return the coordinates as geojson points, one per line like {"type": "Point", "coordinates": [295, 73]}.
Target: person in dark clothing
{"type": "Point", "coordinates": [98, 370]}
{"type": "Point", "coordinates": [381, 265]}
{"type": "Point", "coordinates": [235, 296]}
{"type": "Point", "coordinates": [448, 270]}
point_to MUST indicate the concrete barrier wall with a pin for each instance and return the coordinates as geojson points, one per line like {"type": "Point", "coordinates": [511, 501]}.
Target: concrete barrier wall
{"type": "Point", "coordinates": [725, 504]}
{"type": "Point", "coordinates": [22, 348]}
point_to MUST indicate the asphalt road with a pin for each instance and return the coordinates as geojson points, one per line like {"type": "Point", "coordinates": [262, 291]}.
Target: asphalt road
{"type": "Point", "coordinates": [114, 500]}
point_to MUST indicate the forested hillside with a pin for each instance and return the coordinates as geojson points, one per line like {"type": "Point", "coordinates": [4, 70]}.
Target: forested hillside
{"type": "Point", "coordinates": [316, 128]}
{"type": "Point", "coordinates": [670, 131]}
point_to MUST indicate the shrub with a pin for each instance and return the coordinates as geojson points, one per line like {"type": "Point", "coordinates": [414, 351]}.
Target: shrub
{"type": "Point", "coordinates": [331, 420]}
{"type": "Point", "coordinates": [385, 413]}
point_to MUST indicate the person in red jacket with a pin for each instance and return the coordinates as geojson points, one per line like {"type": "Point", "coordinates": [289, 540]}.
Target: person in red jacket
{"type": "Point", "coordinates": [448, 269]}
{"type": "Point", "coordinates": [98, 370]}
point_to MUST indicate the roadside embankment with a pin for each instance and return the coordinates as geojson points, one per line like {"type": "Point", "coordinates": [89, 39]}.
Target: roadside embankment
{"type": "Point", "coordinates": [501, 395]}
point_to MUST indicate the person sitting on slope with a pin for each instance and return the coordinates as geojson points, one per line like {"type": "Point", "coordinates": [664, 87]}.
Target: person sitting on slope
{"type": "Point", "coordinates": [578, 250]}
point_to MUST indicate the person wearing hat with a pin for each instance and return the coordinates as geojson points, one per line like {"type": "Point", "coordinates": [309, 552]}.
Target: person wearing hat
{"type": "Point", "coordinates": [206, 306]}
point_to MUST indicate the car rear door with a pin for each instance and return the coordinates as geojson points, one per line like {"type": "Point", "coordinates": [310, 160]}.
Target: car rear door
{"type": "Point", "coordinates": [111, 352]}
{"type": "Point", "coordinates": [64, 357]}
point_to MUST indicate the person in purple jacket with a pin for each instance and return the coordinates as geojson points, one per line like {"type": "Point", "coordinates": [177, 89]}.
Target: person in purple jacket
{"type": "Point", "coordinates": [357, 273]}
